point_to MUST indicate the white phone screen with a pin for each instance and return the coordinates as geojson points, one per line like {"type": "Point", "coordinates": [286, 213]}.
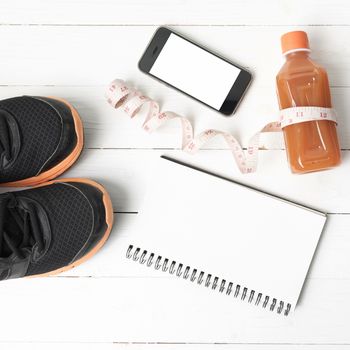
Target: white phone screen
{"type": "Point", "coordinates": [195, 71]}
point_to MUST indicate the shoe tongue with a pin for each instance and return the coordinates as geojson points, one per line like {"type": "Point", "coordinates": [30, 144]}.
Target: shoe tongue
{"type": "Point", "coordinates": [9, 139]}
{"type": "Point", "coordinates": [15, 234]}
{"type": "Point", "coordinates": [5, 153]}
{"type": "Point", "coordinates": [12, 228]}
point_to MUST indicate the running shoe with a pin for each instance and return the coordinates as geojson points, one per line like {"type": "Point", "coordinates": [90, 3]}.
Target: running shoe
{"type": "Point", "coordinates": [40, 138]}
{"type": "Point", "coordinates": [53, 227]}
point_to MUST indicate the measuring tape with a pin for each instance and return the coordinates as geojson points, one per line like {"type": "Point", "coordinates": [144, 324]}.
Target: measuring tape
{"type": "Point", "coordinates": [121, 95]}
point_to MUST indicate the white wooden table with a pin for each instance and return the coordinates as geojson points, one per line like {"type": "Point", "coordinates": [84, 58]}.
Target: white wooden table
{"type": "Point", "coordinates": [72, 49]}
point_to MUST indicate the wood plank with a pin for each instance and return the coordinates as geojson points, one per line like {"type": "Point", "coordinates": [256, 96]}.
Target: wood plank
{"type": "Point", "coordinates": [220, 12]}
{"type": "Point", "coordinates": [171, 346]}
{"type": "Point", "coordinates": [125, 174]}
{"type": "Point", "coordinates": [106, 127]}
{"type": "Point", "coordinates": [76, 55]}
{"type": "Point", "coordinates": [160, 310]}
{"type": "Point", "coordinates": [110, 306]}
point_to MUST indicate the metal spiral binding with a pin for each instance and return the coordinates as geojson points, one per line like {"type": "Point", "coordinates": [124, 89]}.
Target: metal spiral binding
{"type": "Point", "coordinates": [206, 279]}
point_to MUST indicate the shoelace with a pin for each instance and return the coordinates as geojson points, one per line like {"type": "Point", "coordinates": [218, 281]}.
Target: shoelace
{"type": "Point", "coordinates": [18, 229]}
{"type": "Point", "coordinates": [4, 138]}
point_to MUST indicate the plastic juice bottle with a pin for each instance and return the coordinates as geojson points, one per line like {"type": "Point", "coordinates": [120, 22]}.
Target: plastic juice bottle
{"type": "Point", "coordinates": [311, 145]}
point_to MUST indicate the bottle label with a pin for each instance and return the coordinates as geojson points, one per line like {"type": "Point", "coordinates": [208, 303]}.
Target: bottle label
{"type": "Point", "coordinates": [121, 95]}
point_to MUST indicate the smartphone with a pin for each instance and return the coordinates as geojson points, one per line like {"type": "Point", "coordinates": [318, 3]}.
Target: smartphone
{"type": "Point", "coordinates": [195, 71]}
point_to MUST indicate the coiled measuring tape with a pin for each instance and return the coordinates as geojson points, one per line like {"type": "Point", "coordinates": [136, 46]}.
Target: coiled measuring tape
{"type": "Point", "coordinates": [121, 95]}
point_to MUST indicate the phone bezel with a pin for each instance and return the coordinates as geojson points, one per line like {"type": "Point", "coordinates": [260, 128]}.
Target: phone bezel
{"type": "Point", "coordinates": [236, 92]}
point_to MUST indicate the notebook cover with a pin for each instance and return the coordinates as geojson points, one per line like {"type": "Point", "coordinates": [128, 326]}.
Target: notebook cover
{"type": "Point", "coordinates": [226, 236]}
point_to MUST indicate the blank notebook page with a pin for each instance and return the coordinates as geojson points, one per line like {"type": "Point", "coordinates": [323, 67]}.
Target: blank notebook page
{"type": "Point", "coordinates": [225, 229]}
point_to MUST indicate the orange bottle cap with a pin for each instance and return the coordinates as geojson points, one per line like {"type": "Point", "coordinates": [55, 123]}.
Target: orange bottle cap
{"type": "Point", "coordinates": [294, 41]}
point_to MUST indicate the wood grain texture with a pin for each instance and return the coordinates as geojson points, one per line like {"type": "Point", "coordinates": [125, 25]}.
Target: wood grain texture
{"type": "Point", "coordinates": [72, 49]}
{"type": "Point", "coordinates": [93, 55]}
{"type": "Point", "coordinates": [136, 12]}
{"type": "Point", "coordinates": [165, 310]}
{"type": "Point", "coordinates": [171, 346]}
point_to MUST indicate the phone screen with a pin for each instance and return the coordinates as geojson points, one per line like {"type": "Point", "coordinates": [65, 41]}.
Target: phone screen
{"type": "Point", "coordinates": [195, 71]}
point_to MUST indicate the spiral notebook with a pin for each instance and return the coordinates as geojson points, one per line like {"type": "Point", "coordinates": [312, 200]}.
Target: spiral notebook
{"type": "Point", "coordinates": [233, 239]}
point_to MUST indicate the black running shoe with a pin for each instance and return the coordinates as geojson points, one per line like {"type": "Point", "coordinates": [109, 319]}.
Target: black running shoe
{"type": "Point", "coordinates": [40, 138]}
{"type": "Point", "coordinates": [52, 228]}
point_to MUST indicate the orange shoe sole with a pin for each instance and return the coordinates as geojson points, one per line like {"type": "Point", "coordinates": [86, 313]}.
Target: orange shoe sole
{"type": "Point", "coordinates": [109, 220]}
{"type": "Point", "coordinates": [62, 166]}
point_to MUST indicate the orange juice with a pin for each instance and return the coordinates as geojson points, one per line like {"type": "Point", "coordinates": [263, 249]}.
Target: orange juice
{"type": "Point", "coordinates": [311, 145]}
